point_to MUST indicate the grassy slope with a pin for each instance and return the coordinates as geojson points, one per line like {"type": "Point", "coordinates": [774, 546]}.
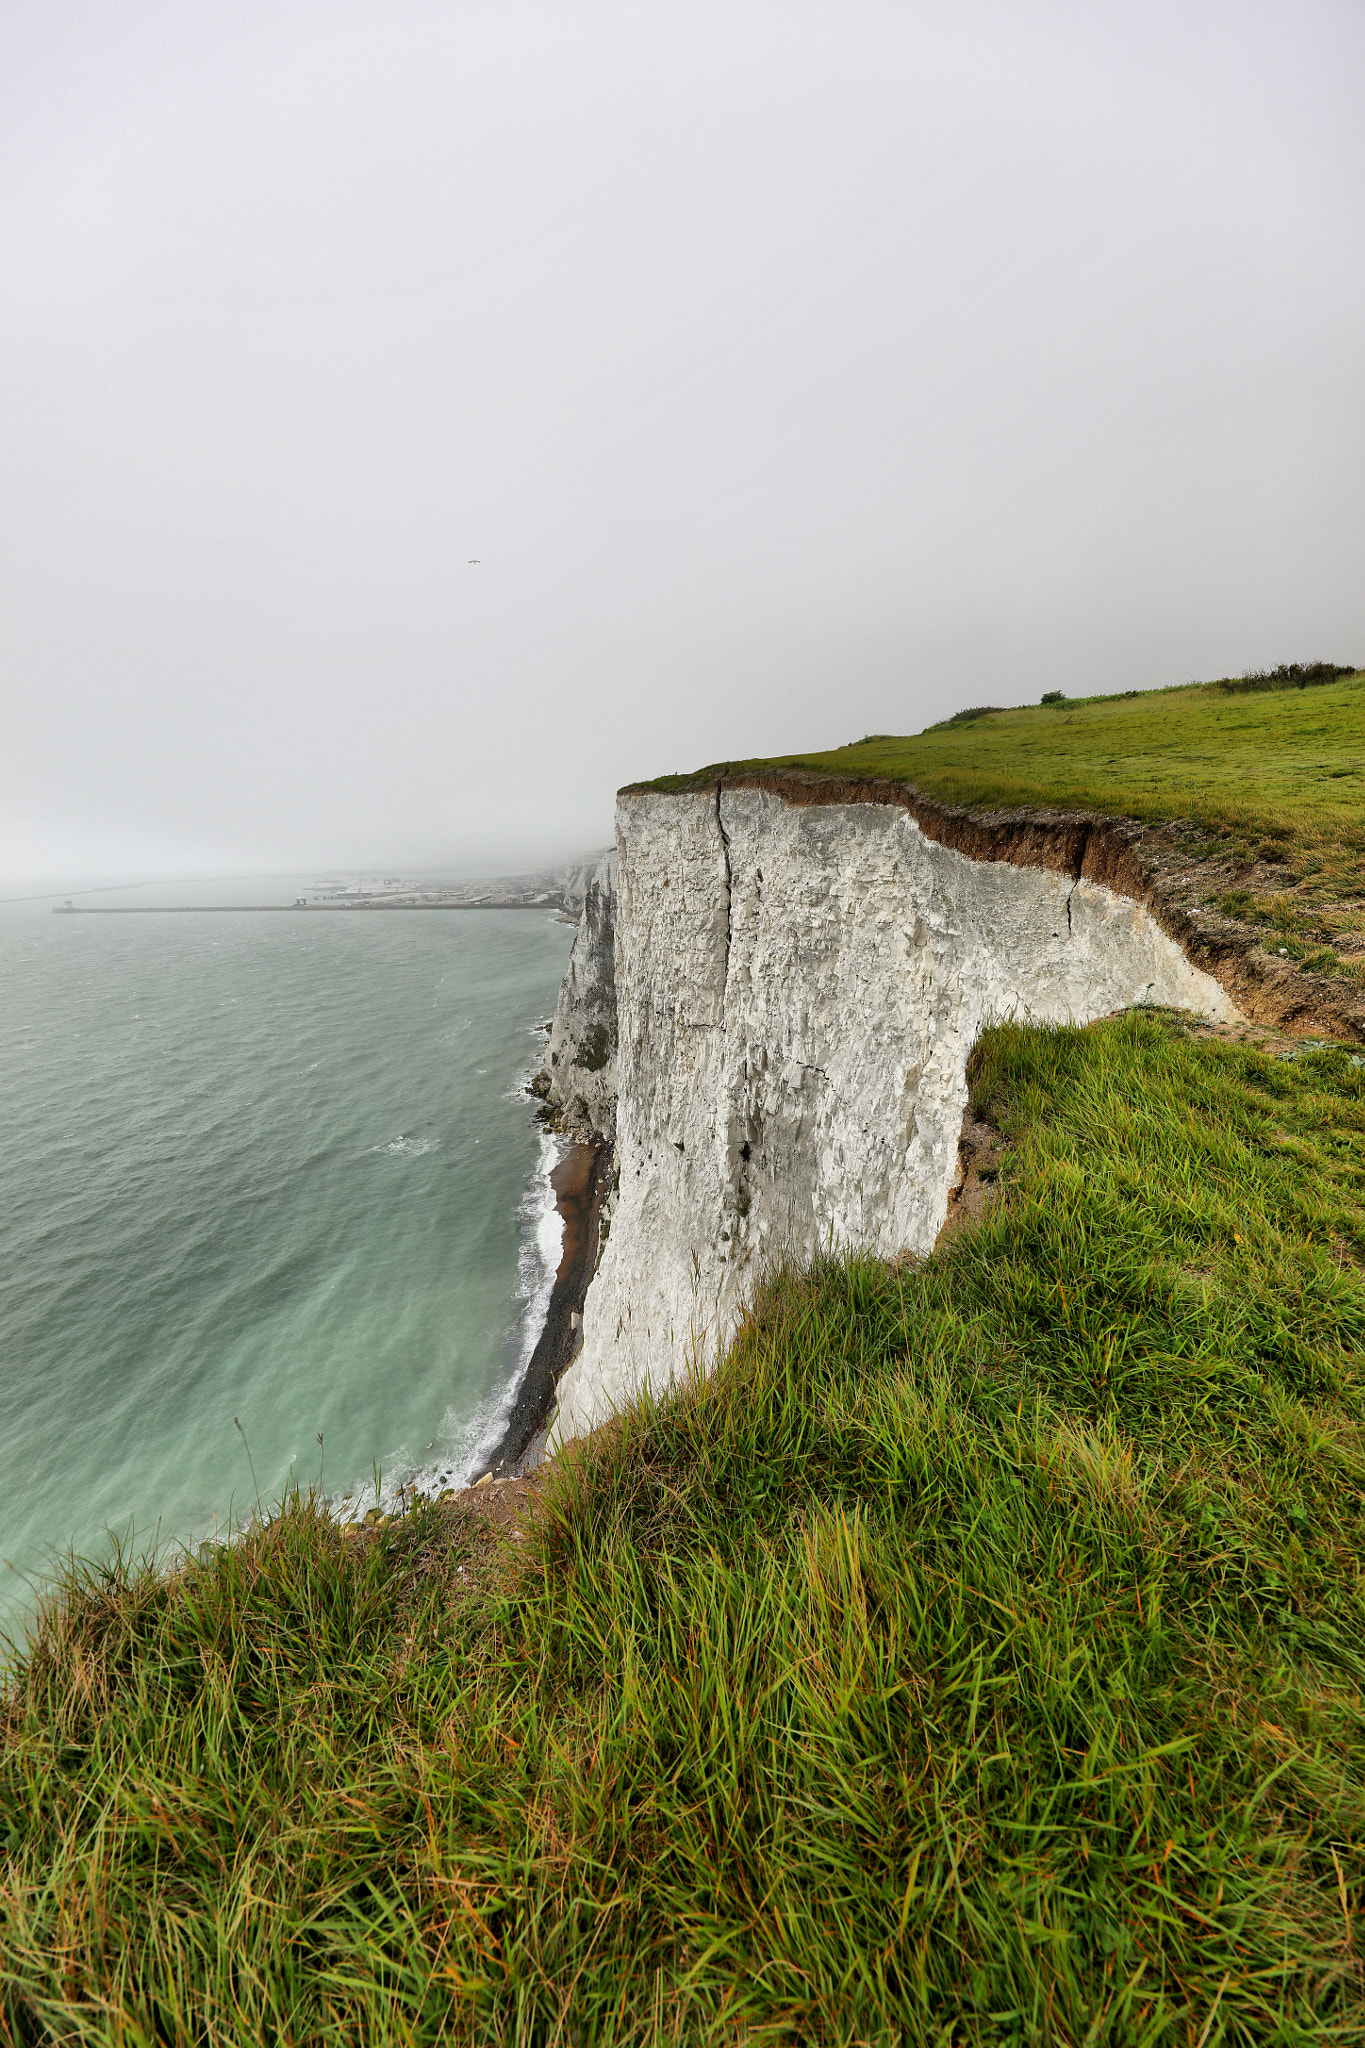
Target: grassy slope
{"type": "Point", "coordinates": [1279, 777]}
{"type": "Point", "coordinates": [978, 1656]}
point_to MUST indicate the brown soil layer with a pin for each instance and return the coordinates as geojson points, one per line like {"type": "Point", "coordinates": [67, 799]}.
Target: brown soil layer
{"type": "Point", "coordinates": [979, 1152]}
{"type": "Point", "coordinates": [580, 1182]}
{"type": "Point", "coordinates": [1152, 864]}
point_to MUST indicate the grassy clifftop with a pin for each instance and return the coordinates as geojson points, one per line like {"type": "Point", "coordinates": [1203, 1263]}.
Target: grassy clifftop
{"type": "Point", "coordinates": [1273, 779]}
{"type": "Point", "coordinates": [1279, 760]}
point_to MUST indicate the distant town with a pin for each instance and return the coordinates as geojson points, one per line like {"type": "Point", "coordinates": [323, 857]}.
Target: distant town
{"type": "Point", "coordinates": [546, 891]}
{"type": "Point", "coordinates": [558, 889]}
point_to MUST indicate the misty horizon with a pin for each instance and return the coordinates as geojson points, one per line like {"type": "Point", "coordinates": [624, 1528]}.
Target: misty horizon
{"type": "Point", "coordinates": [418, 425]}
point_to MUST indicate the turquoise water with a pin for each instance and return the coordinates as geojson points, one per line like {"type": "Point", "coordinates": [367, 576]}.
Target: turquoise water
{"type": "Point", "coordinates": [273, 1168]}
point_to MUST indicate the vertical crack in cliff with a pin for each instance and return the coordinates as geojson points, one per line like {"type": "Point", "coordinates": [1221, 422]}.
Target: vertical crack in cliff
{"type": "Point", "coordinates": [1076, 876]}
{"type": "Point", "coordinates": [1084, 849]}
{"type": "Point", "coordinates": [725, 849]}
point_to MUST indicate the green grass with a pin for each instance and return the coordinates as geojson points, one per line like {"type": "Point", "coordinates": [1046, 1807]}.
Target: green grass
{"type": "Point", "coordinates": [1276, 777]}
{"type": "Point", "coordinates": [978, 1656]}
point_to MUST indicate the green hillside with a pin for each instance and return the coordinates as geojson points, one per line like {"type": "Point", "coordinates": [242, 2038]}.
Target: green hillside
{"type": "Point", "coordinates": [979, 1656]}
{"type": "Point", "coordinates": [1276, 776]}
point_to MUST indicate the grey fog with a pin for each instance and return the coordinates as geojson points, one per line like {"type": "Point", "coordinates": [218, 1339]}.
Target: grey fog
{"type": "Point", "coordinates": [416, 421]}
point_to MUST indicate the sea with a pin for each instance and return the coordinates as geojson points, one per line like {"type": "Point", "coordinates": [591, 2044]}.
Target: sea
{"type": "Point", "coordinates": [274, 1210]}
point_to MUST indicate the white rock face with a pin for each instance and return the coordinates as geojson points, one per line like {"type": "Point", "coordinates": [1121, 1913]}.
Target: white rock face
{"type": "Point", "coordinates": [577, 879]}
{"type": "Point", "coordinates": [797, 991]}
{"type": "Point", "coordinates": [580, 1061]}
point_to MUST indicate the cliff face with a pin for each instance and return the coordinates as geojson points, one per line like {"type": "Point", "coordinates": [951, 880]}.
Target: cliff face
{"type": "Point", "coordinates": [796, 990]}
{"type": "Point", "coordinates": [577, 879]}
{"type": "Point", "coordinates": [580, 1065]}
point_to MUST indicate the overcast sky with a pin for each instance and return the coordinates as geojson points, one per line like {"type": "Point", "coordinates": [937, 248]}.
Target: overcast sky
{"type": "Point", "coordinates": [792, 371]}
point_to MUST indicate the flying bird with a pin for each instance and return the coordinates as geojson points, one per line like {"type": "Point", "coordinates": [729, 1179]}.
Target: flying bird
{"type": "Point", "coordinates": [474, 561]}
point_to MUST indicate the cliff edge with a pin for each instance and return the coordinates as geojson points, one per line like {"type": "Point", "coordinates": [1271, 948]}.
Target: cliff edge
{"type": "Point", "coordinates": [770, 1007]}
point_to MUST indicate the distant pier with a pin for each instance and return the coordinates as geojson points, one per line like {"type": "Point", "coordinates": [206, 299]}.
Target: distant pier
{"type": "Point", "coordinates": [197, 909]}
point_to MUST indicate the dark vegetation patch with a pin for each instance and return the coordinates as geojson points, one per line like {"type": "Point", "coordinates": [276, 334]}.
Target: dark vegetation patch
{"type": "Point", "coordinates": [978, 1656]}
{"type": "Point", "coordinates": [596, 1048]}
{"type": "Point", "coordinates": [1290, 675]}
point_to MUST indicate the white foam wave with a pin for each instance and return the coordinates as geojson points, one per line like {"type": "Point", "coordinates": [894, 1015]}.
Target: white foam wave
{"type": "Point", "coordinates": [460, 1449]}
{"type": "Point", "coordinates": [542, 1243]}
{"type": "Point", "coordinates": [407, 1147]}
{"type": "Point", "coordinates": [521, 1088]}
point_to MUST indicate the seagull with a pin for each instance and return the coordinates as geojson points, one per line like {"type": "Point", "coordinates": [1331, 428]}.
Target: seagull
{"type": "Point", "coordinates": [474, 561]}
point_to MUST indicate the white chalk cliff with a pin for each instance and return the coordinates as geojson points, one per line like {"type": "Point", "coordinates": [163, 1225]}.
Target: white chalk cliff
{"type": "Point", "coordinates": [580, 1065]}
{"type": "Point", "coordinates": [796, 989]}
